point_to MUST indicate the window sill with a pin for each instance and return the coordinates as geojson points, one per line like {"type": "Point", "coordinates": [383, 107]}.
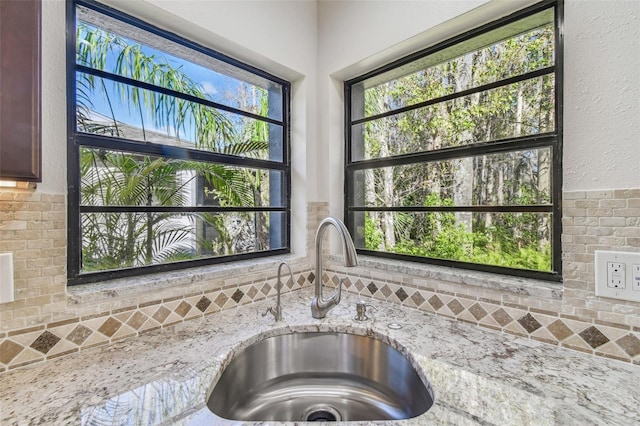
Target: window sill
{"type": "Point", "coordinates": [150, 287]}
{"type": "Point", "coordinates": [504, 283]}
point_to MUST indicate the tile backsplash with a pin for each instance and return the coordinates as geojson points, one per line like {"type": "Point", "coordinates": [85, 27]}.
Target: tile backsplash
{"type": "Point", "coordinates": [46, 321]}
{"type": "Point", "coordinates": [34, 344]}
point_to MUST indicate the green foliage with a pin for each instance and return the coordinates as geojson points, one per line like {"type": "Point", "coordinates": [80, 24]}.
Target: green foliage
{"type": "Point", "coordinates": [514, 177]}
{"type": "Point", "coordinates": [373, 236]}
{"type": "Point", "coordinates": [530, 257]}
{"type": "Point", "coordinates": [438, 235]}
{"type": "Point", "coordinates": [111, 178]}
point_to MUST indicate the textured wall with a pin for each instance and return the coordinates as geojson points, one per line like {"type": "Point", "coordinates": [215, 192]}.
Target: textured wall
{"type": "Point", "coordinates": [598, 220]}
{"type": "Point", "coordinates": [47, 320]}
{"type": "Point", "coordinates": [568, 314]}
{"type": "Point", "coordinates": [33, 227]}
{"type": "Point", "coordinates": [601, 90]}
{"type": "Point", "coordinates": [44, 322]}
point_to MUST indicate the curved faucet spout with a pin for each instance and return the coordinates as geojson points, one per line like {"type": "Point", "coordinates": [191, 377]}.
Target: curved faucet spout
{"type": "Point", "coordinates": [319, 305]}
{"type": "Point", "coordinates": [277, 311]}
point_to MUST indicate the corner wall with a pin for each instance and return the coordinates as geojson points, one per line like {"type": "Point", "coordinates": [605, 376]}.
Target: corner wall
{"type": "Point", "coordinates": [32, 224]}
{"type": "Point", "coordinates": [601, 170]}
{"type": "Point", "coordinates": [47, 319]}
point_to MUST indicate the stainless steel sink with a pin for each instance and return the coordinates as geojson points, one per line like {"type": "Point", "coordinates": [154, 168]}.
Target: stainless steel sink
{"type": "Point", "coordinates": [319, 377]}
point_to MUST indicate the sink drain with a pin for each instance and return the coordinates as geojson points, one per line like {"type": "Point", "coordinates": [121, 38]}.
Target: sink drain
{"type": "Point", "coordinates": [321, 413]}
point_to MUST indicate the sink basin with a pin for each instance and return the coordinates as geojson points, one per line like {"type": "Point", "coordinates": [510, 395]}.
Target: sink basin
{"type": "Point", "coordinates": [319, 377]}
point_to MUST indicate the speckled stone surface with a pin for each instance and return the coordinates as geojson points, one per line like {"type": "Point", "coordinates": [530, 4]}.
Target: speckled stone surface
{"type": "Point", "coordinates": [478, 376]}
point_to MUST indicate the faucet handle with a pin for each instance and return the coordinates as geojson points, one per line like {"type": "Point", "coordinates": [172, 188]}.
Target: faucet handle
{"type": "Point", "coordinates": [276, 312]}
{"type": "Point", "coordinates": [269, 309]}
{"type": "Point", "coordinates": [338, 294]}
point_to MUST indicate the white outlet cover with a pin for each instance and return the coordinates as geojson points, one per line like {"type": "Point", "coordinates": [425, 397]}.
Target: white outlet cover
{"type": "Point", "coordinates": [6, 278]}
{"type": "Point", "coordinates": [602, 259]}
{"type": "Point", "coordinates": [635, 277]}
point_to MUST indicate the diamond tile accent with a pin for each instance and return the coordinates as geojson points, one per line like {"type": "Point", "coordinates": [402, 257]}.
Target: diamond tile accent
{"type": "Point", "coordinates": [593, 337]}
{"type": "Point", "coordinates": [559, 330]}
{"type": "Point", "coordinates": [529, 323]}
{"type": "Point", "coordinates": [478, 311]}
{"type": "Point", "coordinates": [203, 303]}
{"type": "Point", "coordinates": [45, 342]}
{"type": "Point", "coordinates": [417, 298]}
{"type": "Point", "coordinates": [402, 295]}
{"type": "Point", "coordinates": [502, 317]}
{"type": "Point", "coordinates": [9, 350]}
{"type": "Point", "coordinates": [183, 308]}
{"type": "Point", "coordinates": [110, 326]}
{"type": "Point", "coordinates": [347, 282]}
{"type": "Point", "coordinates": [266, 288]}
{"type": "Point", "coordinates": [287, 283]}
{"type": "Point", "coordinates": [221, 299]}
{"type": "Point", "coordinates": [137, 320]}
{"type": "Point", "coordinates": [386, 291]}
{"type": "Point", "coordinates": [253, 291]}
{"type": "Point", "coordinates": [161, 314]}
{"type": "Point", "coordinates": [455, 306]}
{"type": "Point", "coordinates": [80, 334]}
{"type": "Point", "coordinates": [435, 302]}
{"type": "Point", "coordinates": [62, 337]}
{"type": "Point", "coordinates": [630, 344]}
{"type": "Point", "coordinates": [237, 296]}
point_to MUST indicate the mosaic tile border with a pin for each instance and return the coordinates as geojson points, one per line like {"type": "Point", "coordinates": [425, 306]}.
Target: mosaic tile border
{"type": "Point", "coordinates": [597, 338]}
{"type": "Point", "coordinates": [27, 346]}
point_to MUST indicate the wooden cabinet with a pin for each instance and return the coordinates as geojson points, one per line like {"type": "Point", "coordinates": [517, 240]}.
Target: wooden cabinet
{"type": "Point", "coordinates": [20, 144]}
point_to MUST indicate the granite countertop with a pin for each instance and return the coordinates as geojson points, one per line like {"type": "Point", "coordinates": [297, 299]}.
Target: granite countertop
{"type": "Point", "coordinates": [478, 376]}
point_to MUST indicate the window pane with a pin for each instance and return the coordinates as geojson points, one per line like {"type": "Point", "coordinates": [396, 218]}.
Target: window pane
{"type": "Point", "coordinates": [514, 240]}
{"type": "Point", "coordinates": [504, 179]}
{"type": "Point", "coordinates": [109, 108]}
{"type": "Point", "coordinates": [113, 46]}
{"type": "Point", "coordinates": [468, 127]}
{"type": "Point", "coordinates": [520, 109]}
{"type": "Point", "coordinates": [145, 101]}
{"type": "Point", "coordinates": [127, 240]}
{"type": "Point", "coordinates": [523, 46]}
{"type": "Point", "coordinates": [112, 178]}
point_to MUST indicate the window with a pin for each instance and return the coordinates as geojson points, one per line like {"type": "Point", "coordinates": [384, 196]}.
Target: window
{"type": "Point", "coordinates": [178, 155]}
{"type": "Point", "coordinates": [453, 154]}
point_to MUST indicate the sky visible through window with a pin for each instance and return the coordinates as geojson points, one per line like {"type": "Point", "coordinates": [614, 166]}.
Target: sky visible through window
{"type": "Point", "coordinates": [217, 87]}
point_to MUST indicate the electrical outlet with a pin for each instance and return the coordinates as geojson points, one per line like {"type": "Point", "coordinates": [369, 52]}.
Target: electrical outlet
{"type": "Point", "coordinates": [616, 274]}
{"type": "Point", "coordinates": [635, 277]}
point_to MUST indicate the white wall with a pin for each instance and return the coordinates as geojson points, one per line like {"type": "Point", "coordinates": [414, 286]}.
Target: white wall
{"type": "Point", "coordinates": [602, 95]}
{"type": "Point", "coordinates": [54, 99]}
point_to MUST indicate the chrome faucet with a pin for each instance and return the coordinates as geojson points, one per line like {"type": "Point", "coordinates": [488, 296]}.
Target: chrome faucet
{"type": "Point", "coordinates": [277, 311]}
{"type": "Point", "coordinates": [319, 305]}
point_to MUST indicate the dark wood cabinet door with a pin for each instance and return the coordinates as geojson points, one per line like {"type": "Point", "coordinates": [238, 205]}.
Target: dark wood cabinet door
{"type": "Point", "coordinates": [20, 145]}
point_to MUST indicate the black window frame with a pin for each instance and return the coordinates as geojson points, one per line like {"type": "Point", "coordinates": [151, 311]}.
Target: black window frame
{"type": "Point", "coordinates": [551, 140]}
{"type": "Point", "coordinates": [77, 139]}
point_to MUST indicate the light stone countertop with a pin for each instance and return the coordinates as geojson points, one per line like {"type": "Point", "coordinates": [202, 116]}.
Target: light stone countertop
{"type": "Point", "coordinates": [478, 376]}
